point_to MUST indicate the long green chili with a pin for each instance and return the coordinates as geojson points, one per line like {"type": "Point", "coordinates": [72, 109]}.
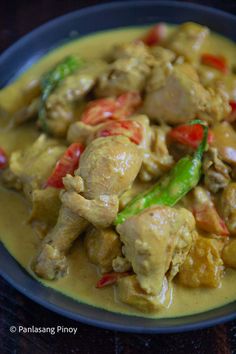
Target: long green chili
{"type": "Point", "coordinates": [182, 178]}
{"type": "Point", "coordinates": [51, 80]}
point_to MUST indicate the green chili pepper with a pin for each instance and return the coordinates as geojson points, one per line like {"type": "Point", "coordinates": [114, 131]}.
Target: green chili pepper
{"type": "Point", "coordinates": [182, 178]}
{"type": "Point", "coordinates": [51, 80]}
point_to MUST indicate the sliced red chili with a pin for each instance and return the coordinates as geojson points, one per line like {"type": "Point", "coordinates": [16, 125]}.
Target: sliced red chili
{"type": "Point", "coordinates": [155, 35]}
{"type": "Point", "coordinates": [217, 62]}
{"type": "Point", "coordinates": [129, 128]}
{"type": "Point", "coordinates": [232, 116]}
{"type": "Point", "coordinates": [119, 108]}
{"type": "Point", "coordinates": [126, 104]}
{"type": "Point", "coordinates": [98, 111]}
{"type": "Point", "coordinates": [67, 164]}
{"type": "Point", "coordinates": [3, 159]}
{"type": "Point", "coordinates": [190, 135]}
{"type": "Point", "coordinates": [110, 279]}
{"type": "Point", "coordinates": [233, 105]}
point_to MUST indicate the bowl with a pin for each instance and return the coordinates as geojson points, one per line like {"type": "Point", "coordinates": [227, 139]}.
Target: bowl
{"type": "Point", "coordinates": [28, 50]}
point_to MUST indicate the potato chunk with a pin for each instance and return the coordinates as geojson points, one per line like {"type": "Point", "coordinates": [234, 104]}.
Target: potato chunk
{"type": "Point", "coordinates": [203, 265]}
{"type": "Point", "coordinates": [229, 254]}
{"type": "Point", "coordinates": [228, 207]}
{"type": "Point", "coordinates": [102, 247]}
{"type": "Point", "coordinates": [130, 292]}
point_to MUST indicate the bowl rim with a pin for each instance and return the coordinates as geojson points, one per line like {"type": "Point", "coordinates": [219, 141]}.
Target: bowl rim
{"type": "Point", "coordinates": [33, 293]}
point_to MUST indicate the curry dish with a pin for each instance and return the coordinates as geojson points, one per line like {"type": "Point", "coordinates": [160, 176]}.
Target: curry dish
{"type": "Point", "coordinates": [118, 170]}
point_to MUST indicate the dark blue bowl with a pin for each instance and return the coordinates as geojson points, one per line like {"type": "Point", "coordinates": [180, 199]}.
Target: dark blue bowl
{"type": "Point", "coordinates": [21, 56]}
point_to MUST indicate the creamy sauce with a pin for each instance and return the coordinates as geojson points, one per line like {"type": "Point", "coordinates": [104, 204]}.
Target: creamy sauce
{"type": "Point", "coordinates": [22, 243]}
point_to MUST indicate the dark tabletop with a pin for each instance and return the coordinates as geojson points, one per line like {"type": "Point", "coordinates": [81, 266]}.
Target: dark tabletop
{"type": "Point", "coordinates": [16, 19]}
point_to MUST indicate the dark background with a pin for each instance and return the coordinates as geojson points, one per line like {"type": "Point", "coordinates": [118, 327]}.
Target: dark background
{"type": "Point", "coordinates": [16, 19]}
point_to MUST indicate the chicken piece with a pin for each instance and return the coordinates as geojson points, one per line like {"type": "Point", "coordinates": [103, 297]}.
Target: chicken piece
{"type": "Point", "coordinates": [203, 265]}
{"type": "Point", "coordinates": [102, 247]}
{"type": "Point", "coordinates": [128, 71]}
{"type": "Point", "coordinates": [213, 78]}
{"type": "Point", "coordinates": [121, 265]}
{"type": "Point", "coordinates": [51, 260]}
{"type": "Point", "coordinates": [84, 133]}
{"type": "Point", "coordinates": [187, 40]}
{"type": "Point", "coordinates": [159, 74]}
{"type": "Point", "coordinates": [229, 85]}
{"type": "Point", "coordinates": [156, 160]}
{"type": "Point", "coordinates": [229, 254]}
{"type": "Point", "coordinates": [218, 107]}
{"type": "Point", "coordinates": [107, 168]}
{"type": "Point", "coordinates": [31, 167]}
{"type": "Point", "coordinates": [92, 210]}
{"type": "Point", "coordinates": [125, 74]}
{"type": "Point", "coordinates": [224, 82]}
{"type": "Point", "coordinates": [152, 239]}
{"type": "Point", "coordinates": [228, 207]}
{"type": "Point", "coordinates": [19, 100]}
{"type": "Point", "coordinates": [45, 209]}
{"type": "Point", "coordinates": [208, 76]}
{"type": "Point", "coordinates": [225, 142]}
{"type": "Point", "coordinates": [135, 49]}
{"type": "Point", "coordinates": [162, 55]}
{"type": "Point", "coordinates": [130, 292]}
{"type": "Point", "coordinates": [61, 106]}
{"type": "Point", "coordinates": [216, 173]}
{"type": "Point", "coordinates": [175, 95]}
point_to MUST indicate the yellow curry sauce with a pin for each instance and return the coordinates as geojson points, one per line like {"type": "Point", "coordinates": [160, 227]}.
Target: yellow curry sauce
{"type": "Point", "coordinates": [21, 241]}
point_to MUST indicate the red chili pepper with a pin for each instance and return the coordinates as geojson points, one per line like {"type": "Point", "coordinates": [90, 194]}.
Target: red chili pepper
{"type": "Point", "coordinates": [209, 220]}
{"type": "Point", "coordinates": [232, 116]}
{"type": "Point", "coordinates": [110, 278]}
{"type": "Point", "coordinates": [67, 164]}
{"type": "Point", "coordinates": [217, 62]}
{"type": "Point", "coordinates": [3, 159]}
{"type": "Point", "coordinates": [190, 135]}
{"type": "Point", "coordinates": [129, 128]}
{"type": "Point", "coordinates": [127, 103]}
{"type": "Point", "coordinates": [155, 35]}
{"type": "Point", "coordinates": [233, 106]}
{"type": "Point", "coordinates": [100, 110]}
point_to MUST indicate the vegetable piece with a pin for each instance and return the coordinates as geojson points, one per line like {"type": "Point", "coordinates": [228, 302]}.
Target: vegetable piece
{"type": "Point", "coordinates": [209, 220]}
{"type": "Point", "coordinates": [127, 103]}
{"type": "Point", "coordinates": [51, 80]}
{"type": "Point", "coordinates": [100, 110]}
{"type": "Point", "coordinates": [203, 265]}
{"type": "Point", "coordinates": [233, 105]}
{"type": "Point", "coordinates": [110, 279]}
{"type": "Point", "coordinates": [155, 35]}
{"type": "Point", "coordinates": [3, 159]}
{"type": "Point", "coordinates": [190, 135]}
{"type": "Point", "coordinates": [217, 62]}
{"type": "Point", "coordinates": [66, 165]}
{"type": "Point", "coordinates": [129, 128]}
{"type": "Point", "coordinates": [182, 178]}
{"type": "Point", "coordinates": [232, 116]}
